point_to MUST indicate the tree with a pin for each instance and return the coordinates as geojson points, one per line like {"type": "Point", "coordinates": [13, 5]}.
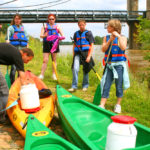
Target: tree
{"type": "Point", "coordinates": [4, 28]}
{"type": "Point", "coordinates": [98, 40]}
{"type": "Point", "coordinates": [143, 35]}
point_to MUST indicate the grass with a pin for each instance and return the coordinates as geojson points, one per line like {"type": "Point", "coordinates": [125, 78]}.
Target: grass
{"type": "Point", "coordinates": [136, 100]}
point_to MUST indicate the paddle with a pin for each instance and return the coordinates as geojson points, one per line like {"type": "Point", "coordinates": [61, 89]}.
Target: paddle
{"type": "Point", "coordinates": [85, 59]}
{"type": "Point", "coordinates": [7, 78]}
{"type": "Point", "coordinates": [97, 96]}
{"type": "Point", "coordinates": [53, 63]}
{"type": "Point", "coordinates": [12, 104]}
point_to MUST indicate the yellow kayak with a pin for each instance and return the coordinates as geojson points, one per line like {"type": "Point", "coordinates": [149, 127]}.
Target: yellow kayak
{"type": "Point", "coordinates": [18, 117]}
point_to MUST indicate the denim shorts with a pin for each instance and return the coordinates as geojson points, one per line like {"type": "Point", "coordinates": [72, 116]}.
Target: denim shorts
{"type": "Point", "coordinates": [118, 82]}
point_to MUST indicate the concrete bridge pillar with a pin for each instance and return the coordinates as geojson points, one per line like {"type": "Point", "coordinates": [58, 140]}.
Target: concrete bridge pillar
{"type": "Point", "coordinates": [132, 5]}
{"type": "Point", "coordinates": [148, 9]}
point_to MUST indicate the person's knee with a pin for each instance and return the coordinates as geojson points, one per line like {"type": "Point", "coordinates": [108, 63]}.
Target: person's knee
{"type": "Point", "coordinates": [75, 69]}
{"type": "Point", "coordinates": [45, 60]}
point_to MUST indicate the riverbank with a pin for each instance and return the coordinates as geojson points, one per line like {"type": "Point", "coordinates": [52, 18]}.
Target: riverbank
{"type": "Point", "coordinates": [136, 100]}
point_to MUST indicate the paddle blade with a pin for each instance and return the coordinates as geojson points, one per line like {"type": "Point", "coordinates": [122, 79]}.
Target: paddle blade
{"type": "Point", "coordinates": [97, 96]}
{"type": "Point", "coordinates": [7, 78]}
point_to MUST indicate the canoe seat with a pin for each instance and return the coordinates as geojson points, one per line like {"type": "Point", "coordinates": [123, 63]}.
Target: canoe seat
{"type": "Point", "coordinates": [95, 136]}
{"type": "Point", "coordinates": [93, 125]}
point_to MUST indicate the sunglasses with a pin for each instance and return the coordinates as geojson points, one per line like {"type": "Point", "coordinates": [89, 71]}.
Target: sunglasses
{"type": "Point", "coordinates": [51, 19]}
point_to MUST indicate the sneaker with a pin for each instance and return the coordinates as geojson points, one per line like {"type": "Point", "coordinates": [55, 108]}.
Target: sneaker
{"type": "Point", "coordinates": [54, 77]}
{"type": "Point", "coordinates": [71, 90]}
{"type": "Point", "coordinates": [101, 106]}
{"type": "Point", "coordinates": [84, 89]}
{"type": "Point", "coordinates": [117, 108]}
{"type": "Point", "coordinates": [41, 77]}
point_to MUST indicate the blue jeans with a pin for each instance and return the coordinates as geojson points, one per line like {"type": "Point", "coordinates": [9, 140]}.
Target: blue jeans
{"type": "Point", "coordinates": [75, 72]}
{"type": "Point", "coordinates": [118, 82]}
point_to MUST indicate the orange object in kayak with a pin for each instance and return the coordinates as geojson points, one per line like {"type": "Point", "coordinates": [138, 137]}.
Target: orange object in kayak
{"type": "Point", "coordinates": [19, 117]}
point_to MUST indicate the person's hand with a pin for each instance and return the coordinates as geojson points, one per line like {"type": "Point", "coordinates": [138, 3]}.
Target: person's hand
{"type": "Point", "coordinates": [116, 34]}
{"type": "Point", "coordinates": [61, 37]}
{"type": "Point", "coordinates": [112, 37]}
{"type": "Point", "coordinates": [28, 45]}
{"type": "Point", "coordinates": [45, 34]}
{"type": "Point", "coordinates": [88, 59]}
{"type": "Point", "coordinates": [25, 81]}
{"type": "Point", "coordinates": [7, 41]}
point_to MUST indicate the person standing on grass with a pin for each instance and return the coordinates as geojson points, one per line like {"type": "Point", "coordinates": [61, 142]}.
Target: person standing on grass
{"type": "Point", "coordinates": [116, 67]}
{"type": "Point", "coordinates": [85, 41]}
{"type": "Point", "coordinates": [9, 55]}
{"type": "Point", "coordinates": [18, 37]}
{"type": "Point", "coordinates": [51, 29]}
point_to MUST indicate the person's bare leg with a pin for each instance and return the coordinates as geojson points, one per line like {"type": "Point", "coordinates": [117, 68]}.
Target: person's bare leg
{"type": "Point", "coordinates": [119, 100]}
{"type": "Point", "coordinates": [103, 101]}
{"type": "Point", "coordinates": [54, 60]}
{"type": "Point", "coordinates": [45, 62]}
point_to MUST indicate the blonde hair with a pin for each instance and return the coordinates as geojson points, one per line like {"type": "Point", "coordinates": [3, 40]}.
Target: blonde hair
{"type": "Point", "coordinates": [114, 23]}
{"type": "Point", "coordinates": [81, 20]}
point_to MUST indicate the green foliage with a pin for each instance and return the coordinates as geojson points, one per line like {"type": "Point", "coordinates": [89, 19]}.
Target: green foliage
{"type": "Point", "coordinates": [143, 35]}
{"type": "Point", "coordinates": [65, 43]}
{"type": "Point", "coordinates": [4, 28]}
{"type": "Point", "coordinates": [147, 57]}
{"type": "Point", "coordinates": [98, 40]}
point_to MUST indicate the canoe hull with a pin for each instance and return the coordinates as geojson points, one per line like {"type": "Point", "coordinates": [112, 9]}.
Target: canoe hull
{"type": "Point", "coordinates": [18, 117]}
{"type": "Point", "coordinates": [86, 124]}
{"type": "Point", "coordinates": [40, 137]}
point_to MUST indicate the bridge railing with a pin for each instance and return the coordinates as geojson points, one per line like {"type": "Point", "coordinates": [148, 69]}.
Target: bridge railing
{"type": "Point", "coordinates": [72, 15]}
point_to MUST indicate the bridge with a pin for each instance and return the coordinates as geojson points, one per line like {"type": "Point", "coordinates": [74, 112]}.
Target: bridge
{"type": "Point", "coordinates": [68, 16]}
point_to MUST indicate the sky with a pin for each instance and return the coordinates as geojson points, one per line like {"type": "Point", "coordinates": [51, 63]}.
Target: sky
{"type": "Point", "coordinates": [69, 28]}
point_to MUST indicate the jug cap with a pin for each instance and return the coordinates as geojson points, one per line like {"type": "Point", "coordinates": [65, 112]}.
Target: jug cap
{"type": "Point", "coordinates": [123, 119]}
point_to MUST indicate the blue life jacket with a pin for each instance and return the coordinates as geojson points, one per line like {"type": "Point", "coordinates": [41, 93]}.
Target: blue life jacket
{"type": "Point", "coordinates": [116, 53]}
{"type": "Point", "coordinates": [82, 42]}
{"type": "Point", "coordinates": [51, 30]}
{"type": "Point", "coordinates": [18, 38]}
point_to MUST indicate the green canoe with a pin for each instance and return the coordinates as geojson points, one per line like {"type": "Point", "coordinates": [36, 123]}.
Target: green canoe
{"type": "Point", "coordinates": [39, 137]}
{"type": "Point", "coordinates": [86, 124]}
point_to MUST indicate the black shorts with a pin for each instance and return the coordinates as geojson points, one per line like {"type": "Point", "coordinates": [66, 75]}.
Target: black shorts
{"type": "Point", "coordinates": [47, 46]}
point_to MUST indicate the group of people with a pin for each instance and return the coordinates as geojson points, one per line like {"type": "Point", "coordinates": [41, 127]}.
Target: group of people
{"type": "Point", "coordinates": [16, 52]}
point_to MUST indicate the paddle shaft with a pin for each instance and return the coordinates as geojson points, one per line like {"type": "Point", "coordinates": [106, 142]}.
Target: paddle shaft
{"type": "Point", "coordinates": [85, 59]}
{"type": "Point", "coordinates": [107, 58]}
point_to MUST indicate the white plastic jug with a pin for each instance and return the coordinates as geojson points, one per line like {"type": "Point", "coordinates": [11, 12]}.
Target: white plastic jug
{"type": "Point", "coordinates": [29, 97]}
{"type": "Point", "coordinates": [121, 133]}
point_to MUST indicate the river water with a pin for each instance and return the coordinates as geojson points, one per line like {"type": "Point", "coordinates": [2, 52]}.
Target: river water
{"type": "Point", "coordinates": [136, 57]}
